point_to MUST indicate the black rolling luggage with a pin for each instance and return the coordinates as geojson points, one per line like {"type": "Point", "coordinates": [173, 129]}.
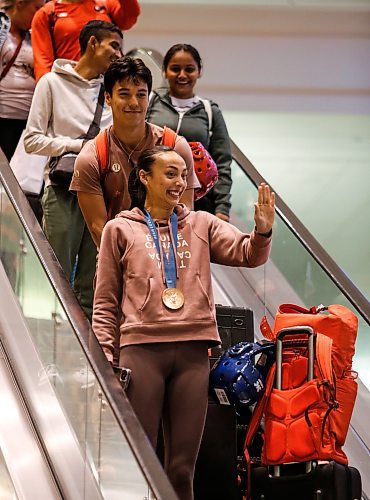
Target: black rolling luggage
{"type": "Point", "coordinates": [235, 324]}
{"type": "Point", "coordinates": [216, 476]}
{"type": "Point", "coordinates": [326, 481]}
{"type": "Point", "coordinates": [216, 469]}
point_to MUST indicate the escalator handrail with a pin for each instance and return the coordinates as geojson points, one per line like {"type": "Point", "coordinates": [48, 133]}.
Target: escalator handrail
{"type": "Point", "coordinates": [313, 247]}
{"type": "Point", "coordinates": [117, 400]}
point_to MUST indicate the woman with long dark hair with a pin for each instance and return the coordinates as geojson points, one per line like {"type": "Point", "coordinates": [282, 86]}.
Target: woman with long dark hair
{"type": "Point", "coordinates": [154, 272]}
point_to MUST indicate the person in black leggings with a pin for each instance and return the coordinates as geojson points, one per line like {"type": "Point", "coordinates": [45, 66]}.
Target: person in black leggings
{"type": "Point", "coordinates": [154, 273]}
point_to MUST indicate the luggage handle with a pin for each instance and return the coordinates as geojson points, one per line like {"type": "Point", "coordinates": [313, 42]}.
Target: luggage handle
{"type": "Point", "coordinates": [293, 330]}
{"type": "Point", "coordinates": [279, 351]}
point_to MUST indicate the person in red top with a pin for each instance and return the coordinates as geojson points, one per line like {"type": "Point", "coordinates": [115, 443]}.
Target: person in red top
{"type": "Point", "coordinates": [57, 25]}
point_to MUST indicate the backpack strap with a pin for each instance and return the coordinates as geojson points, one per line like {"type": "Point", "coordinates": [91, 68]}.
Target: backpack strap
{"type": "Point", "coordinates": [208, 107]}
{"type": "Point", "coordinates": [324, 346]}
{"type": "Point", "coordinates": [50, 9]}
{"type": "Point", "coordinates": [266, 329]}
{"type": "Point", "coordinates": [51, 15]}
{"type": "Point", "coordinates": [102, 150]}
{"type": "Point", "coordinates": [102, 153]}
{"type": "Point", "coordinates": [260, 408]}
{"type": "Point", "coordinates": [169, 137]}
{"type": "Point", "coordinates": [13, 58]}
{"type": "Point", "coordinates": [152, 97]}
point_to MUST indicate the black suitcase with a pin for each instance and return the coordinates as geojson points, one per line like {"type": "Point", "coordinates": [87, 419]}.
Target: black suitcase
{"type": "Point", "coordinates": [216, 476]}
{"type": "Point", "coordinates": [235, 324]}
{"type": "Point", "coordinates": [326, 481]}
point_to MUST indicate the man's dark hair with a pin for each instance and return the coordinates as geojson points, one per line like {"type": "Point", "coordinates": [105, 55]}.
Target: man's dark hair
{"type": "Point", "coordinates": [127, 68]}
{"type": "Point", "coordinates": [98, 29]}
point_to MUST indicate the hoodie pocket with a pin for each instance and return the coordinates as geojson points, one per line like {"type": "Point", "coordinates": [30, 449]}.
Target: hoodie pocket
{"type": "Point", "coordinates": [142, 298]}
{"type": "Point", "coordinates": [152, 309]}
{"type": "Point", "coordinates": [203, 292]}
{"type": "Point", "coordinates": [148, 294]}
{"type": "Point", "coordinates": [146, 305]}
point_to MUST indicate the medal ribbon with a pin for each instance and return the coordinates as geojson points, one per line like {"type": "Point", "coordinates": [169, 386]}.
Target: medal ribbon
{"type": "Point", "coordinates": [169, 268]}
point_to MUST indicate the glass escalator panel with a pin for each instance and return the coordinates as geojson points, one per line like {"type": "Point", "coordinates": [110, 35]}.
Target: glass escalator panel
{"type": "Point", "coordinates": [298, 269]}
{"type": "Point", "coordinates": [64, 364]}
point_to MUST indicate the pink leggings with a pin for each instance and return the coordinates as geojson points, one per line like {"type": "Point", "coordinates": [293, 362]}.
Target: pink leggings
{"type": "Point", "coordinates": [169, 381]}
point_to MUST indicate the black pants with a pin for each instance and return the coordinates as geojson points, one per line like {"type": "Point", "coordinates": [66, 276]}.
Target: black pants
{"type": "Point", "coordinates": [170, 382]}
{"type": "Point", "coordinates": [10, 132]}
{"type": "Point", "coordinates": [206, 203]}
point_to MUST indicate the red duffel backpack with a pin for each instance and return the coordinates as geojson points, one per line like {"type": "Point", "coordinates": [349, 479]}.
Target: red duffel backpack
{"type": "Point", "coordinates": [309, 420]}
{"type": "Point", "coordinates": [204, 165]}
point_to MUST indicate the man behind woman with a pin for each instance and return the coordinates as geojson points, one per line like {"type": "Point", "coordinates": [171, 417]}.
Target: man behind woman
{"type": "Point", "coordinates": [128, 83]}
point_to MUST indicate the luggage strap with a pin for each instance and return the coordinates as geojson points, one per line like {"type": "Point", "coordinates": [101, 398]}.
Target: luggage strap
{"type": "Point", "coordinates": [324, 346]}
{"type": "Point", "coordinates": [255, 422]}
{"type": "Point", "coordinates": [293, 308]}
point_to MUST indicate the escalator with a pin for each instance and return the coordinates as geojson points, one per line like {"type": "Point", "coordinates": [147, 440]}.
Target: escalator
{"type": "Point", "coordinates": [90, 442]}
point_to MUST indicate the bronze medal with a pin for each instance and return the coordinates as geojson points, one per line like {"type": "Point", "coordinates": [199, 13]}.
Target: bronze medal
{"type": "Point", "coordinates": [173, 298]}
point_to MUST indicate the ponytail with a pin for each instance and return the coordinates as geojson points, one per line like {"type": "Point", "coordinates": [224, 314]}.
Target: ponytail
{"type": "Point", "coordinates": [145, 162]}
{"type": "Point", "coordinates": [136, 190]}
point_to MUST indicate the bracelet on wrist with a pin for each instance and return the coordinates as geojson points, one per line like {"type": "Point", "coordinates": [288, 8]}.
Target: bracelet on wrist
{"type": "Point", "coordinates": [265, 235]}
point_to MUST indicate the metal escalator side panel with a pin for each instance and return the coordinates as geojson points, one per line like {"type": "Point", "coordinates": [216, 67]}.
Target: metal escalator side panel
{"type": "Point", "coordinates": [59, 442]}
{"type": "Point", "coordinates": [19, 446]}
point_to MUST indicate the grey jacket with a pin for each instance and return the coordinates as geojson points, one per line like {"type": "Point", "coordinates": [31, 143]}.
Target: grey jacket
{"type": "Point", "coordinates": [195, 127]}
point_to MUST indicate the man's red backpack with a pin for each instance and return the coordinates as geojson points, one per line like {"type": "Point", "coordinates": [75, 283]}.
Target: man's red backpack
{"type": "Point", "coordinates": [309, 419]}
{"type": "Point", "coordinates": [204, 166]}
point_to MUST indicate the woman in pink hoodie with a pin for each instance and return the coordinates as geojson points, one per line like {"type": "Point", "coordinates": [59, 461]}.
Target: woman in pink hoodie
{"type": "Point", "coordinates": [154, 272]}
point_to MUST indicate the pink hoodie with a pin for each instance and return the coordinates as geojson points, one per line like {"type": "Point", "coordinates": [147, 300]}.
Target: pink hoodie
{"type": "Point", "coordinates": [129, 277]}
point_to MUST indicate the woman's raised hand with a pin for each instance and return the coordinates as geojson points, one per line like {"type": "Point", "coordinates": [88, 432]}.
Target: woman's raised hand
{"type": "Point", "coordinates": [264, 209]}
